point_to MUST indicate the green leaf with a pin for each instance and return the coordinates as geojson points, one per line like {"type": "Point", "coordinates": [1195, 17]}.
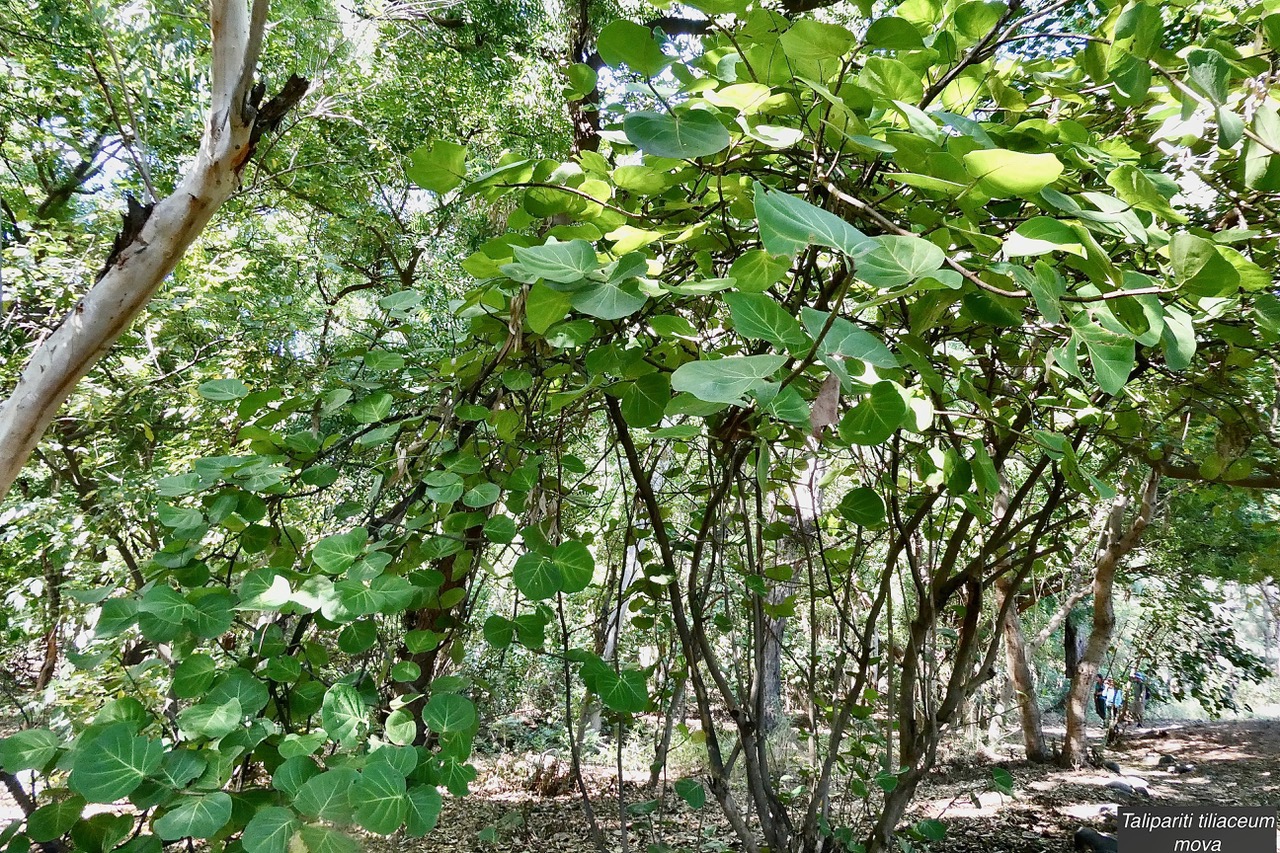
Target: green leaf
{"type": "Point", "coordinates": [582, 79]}
{"type": "Point", "coordinates": [684, 135]}
{"type": "Point", "coordinates": [401, 727]}
{"type": "Point", "coordinates": [372, 408]}
{"type": "Point", "coordinates": [725, 380]}
{"type": "Point", "coordinates": [808, 39]}
{"type": "Point", "coordinates": [536, 577]}
{"type": "Point", "coordinates": [932, 829]}
{"type": "Point", "coordinates": [1178, 338]}
{"type": "Point", "coordinates": [899, 260]}
{"type": "Point", "coordinates": [269, 831]}
{"type": "Point", "coordinates": [566, 263]}
{"type": "Point", "coordinates": [876, 417]}
{"type": "Point", "coordinates": [449, 712]}
{"type": "Point", "coordinates": [863, 506]}
{"type": "Point", "coordinates": [628, 43]}
{"type": "Point", "coordinates": [789, 224]}
{"type": "Point", "coordinates": [321, 839]}
{"type": "Point", "coordinates": [328, 796]}
{"type": "Point", "coordinates": [577, 566]}
{"type": "Point", "coordinates": [337, 553]}
{"type": "Point", "coordinates": [645, 400]}
{"type": "Point", "coordinates": [499, 631]}
{"type": "Point", "coordinates": [1040, 235]}
{"type": "Point", "coordinates": [195, 817]}
{"type": "Point", "coordinates": [223, 390]}
{"type": "Point", "coordinates": [193, 676]}
{"type": "Point", "coordinates": [1199, 268]}
{"type": "Point", "coordinates": [54, 820]}
{"type": "Point", "coordinates": [1209, 74]}
{"type": "Point", "coordinates": [438, 167]}
{"type": "Point", "coordinates": [343, 713]}
{"type": "Point", "coordinates": [891, 33]}
{"type": "Point", "coordinates": [113, 764]}
{"type": "Point", "coordinates": [757, 270]}
{"type": "Point", "coordinates": [290, 776]}
{"type": "Point", "coordinates": [166, 604]}
{"type": "Point", "coordinates": [692, 791]}
{"type": "Point", "coordinates": [1110, 353]}
{"type": "Point", "coordinates": [425, 804]}
{"type": "Point", "coordinates": [1007, 173]}
{"type": "Point", "coordinates": [846, 339]}
{"type": "Point", "coordinates": [482, 495]}
{"type": "Point", "coordinates": [976, 18]}
{"type": "Point", "coordinates": [30, 749]}
{"type": "Point", "coordinates": [380, 802]}
{"type": "Point", "coordinates": [211, 721]}
{"type": "Point", "coordinates": [758, 317]}
{"type": "Point", "coordinates": [1134, 187]}
{"type": "Point", "coordinates": [609, 301]}
{"type": "Point", "coordinates": [624, 692]}
{"type": "Point", "coordinates": [544, 307]}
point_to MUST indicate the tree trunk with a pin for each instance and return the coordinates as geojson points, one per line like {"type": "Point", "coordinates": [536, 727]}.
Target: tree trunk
{"type": "Point", "coordinates": [1073, 647]}
{"type": "Point", "coordinates": [154, 236]}
{"type": "Point", "coordinates": [1115, 543]}
{"type": "Point", "coordinates": [1015, 648]}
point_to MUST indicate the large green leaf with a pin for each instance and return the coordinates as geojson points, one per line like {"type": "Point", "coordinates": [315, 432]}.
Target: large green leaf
{"type": "Point", "coordinates": [337, 553]}
{"type": "Point", "coordinates": [536, 577]}
{"type": "Point", "coordinates": [321, 839]}
{"type": "Point", "coordinates": [623, 691]}
{"type": "Point", "coordinates": [609, 301]}
{"type": "Point", "coordinates": [380, 802]}
{"type": "Point", "coordinates": [1209, 73]}
{"type": "Point", "coordinates": [845, 339]}
{"type": "Point", "coordinates": [789, 224]}
{"type": "Point", "coordinates": [725, 380]}
{"type": "Point", "coordinates": [195, 817]}
{"type": "Point", "coordinates": [1005, 173]}
{"type": "Point", "coordinates": [1110, 354]}
{"type": "Point", "coordinates": [211, 721]}
{"type": "Point", "coordinates": [269, 831]}
{"type": "Point", "coordinates": [343, 713]}
{"type": "Point", "coordinates": [424, 810]}
{"type": "Point", "coordinates": [577, 566]}
{"type": "Point", "coordinates": [110, 766]}
{"type": "Point", "coordinates": [687, 134]}
{"type": "Point", "coordinates": [876, 417]}
{"type": "Point", "coordinates": [899, 260]}
{"type": "Point", "coordinates": [758, 317]}
{"type": "Point", "coordinates": [628, 43]}
{"type": "Point", "coordinates": [30, 749]}
{"type": "Point", "coordinates": [645, 399]}
{"type": "Point", "coordinates": [565, 263]}
{"type": "Point", "coordinates": [438, 167]}
{"type": "Point", "coordinates": [328, 796]}
{"type": "Point", "coordinates": [449, 712]}
{"type": "Point", "coordinates": [54, 820]}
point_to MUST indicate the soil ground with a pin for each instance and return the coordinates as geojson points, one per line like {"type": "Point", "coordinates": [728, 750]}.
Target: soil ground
{"type": "Point", "coordinates": [1234, 763]}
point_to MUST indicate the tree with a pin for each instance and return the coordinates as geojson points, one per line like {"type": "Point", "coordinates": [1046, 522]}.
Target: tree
{"type": "Point", "coordinates": [155, 234]}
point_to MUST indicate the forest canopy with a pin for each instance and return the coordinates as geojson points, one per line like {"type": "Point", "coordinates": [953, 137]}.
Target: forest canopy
{"type": "Point", "coordinates": [726, 373]}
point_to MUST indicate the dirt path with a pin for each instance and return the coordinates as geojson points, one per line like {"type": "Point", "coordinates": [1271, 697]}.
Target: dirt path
{"type": "Point", "coordinates": [1233, 763]}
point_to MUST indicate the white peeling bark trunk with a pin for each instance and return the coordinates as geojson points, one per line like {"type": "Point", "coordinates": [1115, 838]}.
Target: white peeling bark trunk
{"type": "Point", "coordinates": [147, 250]}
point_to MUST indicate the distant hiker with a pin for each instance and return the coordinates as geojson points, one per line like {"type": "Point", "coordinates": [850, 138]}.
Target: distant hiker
{"type": "Point", "coordinates": [1113, 697]}
{"type": "Point", "coordinates": [1099, 702]}
{"type": "Point", "coordinates": [1139, 693]}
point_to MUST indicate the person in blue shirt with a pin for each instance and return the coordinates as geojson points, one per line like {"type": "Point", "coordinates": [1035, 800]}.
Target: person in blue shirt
{"type": "Point", "coordinates": [1113, 697]}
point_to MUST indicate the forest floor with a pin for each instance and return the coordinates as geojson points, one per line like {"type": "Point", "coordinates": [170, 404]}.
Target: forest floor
{"type": "Point", "coordinates": [1233, 763]}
